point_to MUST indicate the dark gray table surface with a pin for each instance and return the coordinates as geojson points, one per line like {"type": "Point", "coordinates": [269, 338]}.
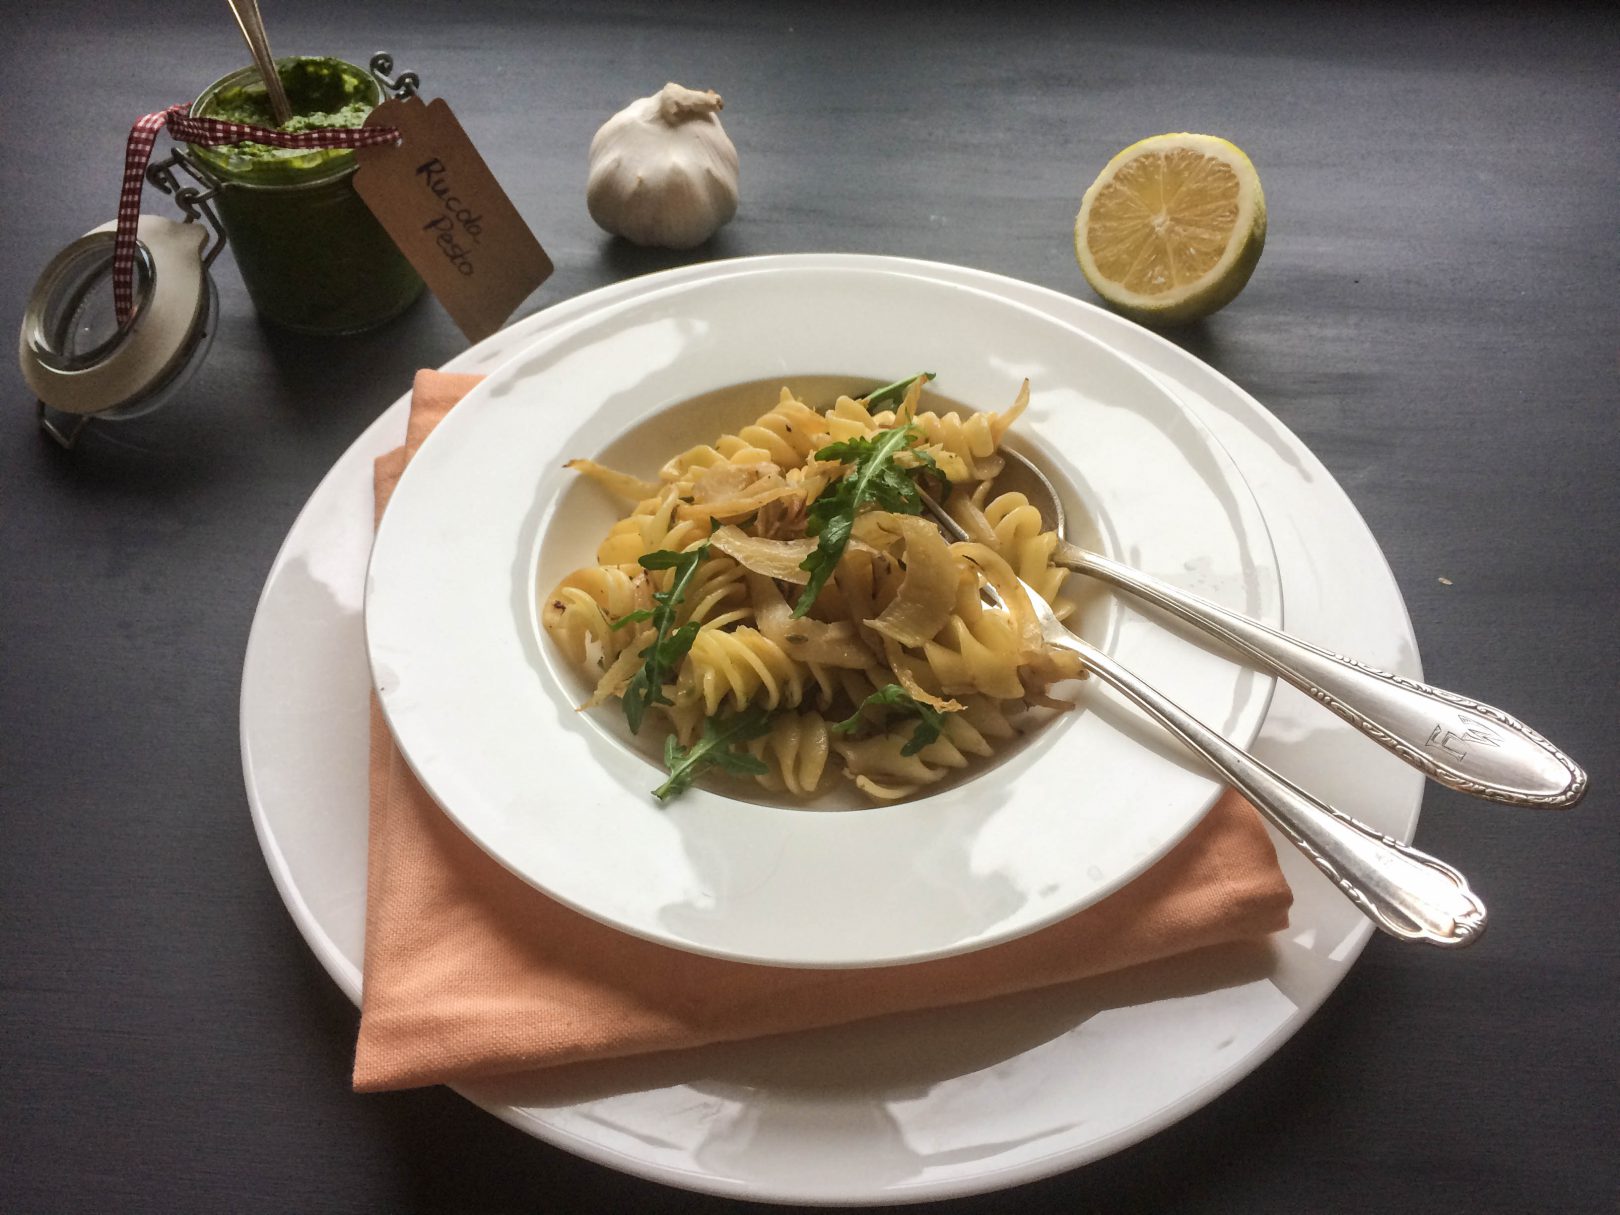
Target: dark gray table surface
{"type": "Point", "coordinates": [1435, 315]}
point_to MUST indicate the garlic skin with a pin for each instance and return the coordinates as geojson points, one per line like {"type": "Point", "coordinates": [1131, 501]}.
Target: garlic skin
{"type": "Point", "coordinates": [663, 171]}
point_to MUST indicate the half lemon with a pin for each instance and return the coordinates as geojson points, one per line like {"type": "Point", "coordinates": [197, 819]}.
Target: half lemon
{"type": "Point", "coordinates": [1172, 228]}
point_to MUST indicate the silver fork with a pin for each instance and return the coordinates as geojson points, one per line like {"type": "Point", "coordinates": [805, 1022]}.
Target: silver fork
{"type": "Point", "coordinates": [1407, 893]}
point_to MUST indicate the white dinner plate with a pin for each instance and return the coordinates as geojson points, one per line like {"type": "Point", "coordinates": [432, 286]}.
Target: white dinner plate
{"type": "Point", "coordinates": [902, 1109]}
{"type": "Point", "coordinates": [483, 704]}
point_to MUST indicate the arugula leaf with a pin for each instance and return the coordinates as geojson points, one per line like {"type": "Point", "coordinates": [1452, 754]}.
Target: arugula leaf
{"type": "Point", "coordinates": [635, 617]}
{"type": "Point", "coordinates": [875, 478]}
{"type": "Point", "coordinates": [670, 644]}
{"type": "Point", "coordinates": [896, 391]}
{"type": "Point", "coordinates": [713, 749]}
{"type": "Point", "coordinates": [931, 720]}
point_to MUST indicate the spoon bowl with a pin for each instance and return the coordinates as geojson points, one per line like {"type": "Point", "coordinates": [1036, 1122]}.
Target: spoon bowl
{"type": "Point", "coordinates": [1022, 475]}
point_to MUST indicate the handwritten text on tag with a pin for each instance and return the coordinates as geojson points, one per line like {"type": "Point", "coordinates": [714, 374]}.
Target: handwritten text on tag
{"type": "Point", "coordinates": [436, 197]}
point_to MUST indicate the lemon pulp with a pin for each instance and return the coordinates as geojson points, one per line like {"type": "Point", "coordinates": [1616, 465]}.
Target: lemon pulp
{"type": "Point", "coordinates": [1172, 228]}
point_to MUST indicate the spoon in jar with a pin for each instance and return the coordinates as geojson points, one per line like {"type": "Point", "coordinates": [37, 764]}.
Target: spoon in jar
{"type": "Point", "coordinates": [251, 22]}
{"type": "Point", "coordinates": [1470, 746]}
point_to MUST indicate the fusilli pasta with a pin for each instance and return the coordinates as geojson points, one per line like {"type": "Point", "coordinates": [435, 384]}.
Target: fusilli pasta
{"type": "Point", "coordinates": [886, 668]}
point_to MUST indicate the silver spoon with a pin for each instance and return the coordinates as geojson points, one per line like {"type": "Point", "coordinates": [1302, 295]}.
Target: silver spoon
{"type": "Point", "coordinates": [251, 23]}
{"type": "Point", "coordinates": [1407, 893]}
{"type": "Point", "coordinates": [1457, 741]}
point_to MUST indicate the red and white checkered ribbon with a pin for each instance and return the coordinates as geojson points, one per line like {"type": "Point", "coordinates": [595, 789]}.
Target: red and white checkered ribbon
{"type": "Point", "coordinates": [178, 122]}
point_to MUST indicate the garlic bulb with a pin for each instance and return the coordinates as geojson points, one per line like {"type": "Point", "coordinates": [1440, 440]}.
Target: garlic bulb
{"type": "Point", "coordinates": [663, 171]}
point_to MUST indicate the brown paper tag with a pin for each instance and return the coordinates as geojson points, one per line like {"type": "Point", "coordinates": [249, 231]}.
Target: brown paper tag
{"type": "Point", "coordinates": [436, 197]}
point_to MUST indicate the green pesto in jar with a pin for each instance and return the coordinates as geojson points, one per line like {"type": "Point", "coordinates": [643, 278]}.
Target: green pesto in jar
{"type": "Point", "coordinates": [322, 94]}
{"type": "Point", "coordinates": [312, 255]}
{"type": "Point", "coordinates": [245, 107]}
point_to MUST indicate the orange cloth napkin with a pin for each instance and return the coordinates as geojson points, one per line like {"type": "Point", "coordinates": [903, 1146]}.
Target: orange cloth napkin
{"type": "Point", "coordinates": [470, 972]}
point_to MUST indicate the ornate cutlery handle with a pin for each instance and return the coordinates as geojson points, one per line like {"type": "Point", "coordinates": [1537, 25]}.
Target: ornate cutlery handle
{"type": "Point", "coordinates": [1459, 742]}
{"type": "Point", "coordinates": [1407, 893]}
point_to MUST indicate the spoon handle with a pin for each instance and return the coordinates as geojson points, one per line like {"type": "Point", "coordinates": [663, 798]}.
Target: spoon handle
{"type": "Point", "coordinates": [1407, 893]}
{"type": "Point", "coordinates": [1459, 742]}
{"type": "Point", "coordinates": [251, 22]}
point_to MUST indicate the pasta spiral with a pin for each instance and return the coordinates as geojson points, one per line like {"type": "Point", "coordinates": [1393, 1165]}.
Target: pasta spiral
{"type": "Point", "coordinates": [795, 753]}
{"type": "Point", "coordinates": [731, 669]}
{"type": "Point", "coordinates": [1018, 534]}
{"type": "Point", "coordinates": [718, 596]}
{"type": "Point", "coordinates": [651, 526]}
{"type": "Point", "coordinates": [976, 652]}
{"type": "Point", "coordinates": [791, 433]}
{"type": "Point", "coordinates": [880, 768]}
{"type": "Point", "coordinates": [580, 611]}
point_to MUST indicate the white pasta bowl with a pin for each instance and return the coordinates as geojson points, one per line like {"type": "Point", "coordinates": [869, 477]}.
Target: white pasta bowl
{"type": "Point", "coordinates": [482, 704]}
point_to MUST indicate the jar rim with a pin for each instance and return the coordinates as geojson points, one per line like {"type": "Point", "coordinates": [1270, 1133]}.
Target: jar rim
{"type": "Point", "coordinates": [83, 267]}
{"type": "Point", "coordinates": [337, 162]}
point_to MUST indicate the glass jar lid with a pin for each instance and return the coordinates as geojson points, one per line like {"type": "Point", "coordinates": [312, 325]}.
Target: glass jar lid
{"type": "Point", "coordinates": [75, 356]}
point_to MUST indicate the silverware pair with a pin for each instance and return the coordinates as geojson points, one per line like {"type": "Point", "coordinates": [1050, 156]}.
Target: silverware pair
{"type": "Point", "coordinates": [1460, 742]}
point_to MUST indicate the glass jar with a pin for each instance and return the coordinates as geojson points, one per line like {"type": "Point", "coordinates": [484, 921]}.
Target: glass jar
{"type": "Point", "coordinates": [311, 253]}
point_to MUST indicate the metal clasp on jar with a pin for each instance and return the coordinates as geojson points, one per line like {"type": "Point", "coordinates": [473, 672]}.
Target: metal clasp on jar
{"type": "Point", "coordinates": [402, 86]}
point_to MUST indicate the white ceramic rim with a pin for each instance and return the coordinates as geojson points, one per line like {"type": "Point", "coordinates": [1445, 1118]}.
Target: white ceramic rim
{"type": "Point", "coordinates": [483, 709]}
{"type": "Point", "coordinates": [322, 897]}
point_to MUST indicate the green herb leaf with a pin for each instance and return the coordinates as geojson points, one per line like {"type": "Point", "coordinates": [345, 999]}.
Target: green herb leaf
{"type": "Point", "coordinates": [931, 720]}
{"type": "Point", "coordinates": [713, 749]}
{"type": "Point", "coordinates": [635, 617]}
{"type": "Point", "coordinates": [874, 478]}
{"type": "Point", "coordinates": [668, 558]}
{"type": "Point", "coordinates": [670, 644]}
{"type": "Point", "coordinates": [896, 391]}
